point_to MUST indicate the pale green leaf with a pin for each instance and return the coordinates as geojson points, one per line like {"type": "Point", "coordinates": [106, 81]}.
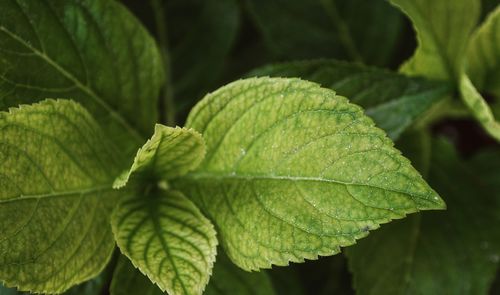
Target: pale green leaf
{"type": "Point", "coordinates": [294, 171]}
{"type": "Point", "coordinates": [171, 152]}
{"type": "Point", "coordinates": [56, 196]}
{"type": "Point", "coordinates": [392, 100]}
{"type": "Point", "coordinates": [479, 107]}
{"type": "Point", "coordinates": [443, 28]}
{"type": "Point", "coordinates": [168, 239]}
{"type": "Point", "coordinates": [483, 56]}
{"type": "Point", "coordinates": [93, 51]}
{"type": "Point", "coordinates": [329, 28]}
{"type": "Point", "coordinates": [451, 252]}
{"type": "Point", "coordinates": [129, 280]}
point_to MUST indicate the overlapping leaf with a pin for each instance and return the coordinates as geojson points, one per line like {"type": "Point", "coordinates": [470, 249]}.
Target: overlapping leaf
{"type": "Point", "coordinates": [171, 152]}
{"type": "Point", "coordinates": [426, 254]}
{"type": "Point", "coordinates": [168, 239]}
{"type": "Point", "coordinates": [56, 172]}
{"type": "Point", "coordinates": [92, 51]}
{"type": "Point", "coordinates": [392, 100]}
{"type": "Point", "coordinates": [443, 29]}
{"type": "Point", "coordinates": [294, 171]}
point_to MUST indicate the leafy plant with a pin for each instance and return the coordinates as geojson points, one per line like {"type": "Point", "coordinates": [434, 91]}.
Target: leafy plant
{"type": "Point", "coordinates": [288, 162]}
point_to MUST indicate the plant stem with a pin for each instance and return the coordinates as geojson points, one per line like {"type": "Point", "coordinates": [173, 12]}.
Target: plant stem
{"type": "Point", "coordinates": [343, 30]}
{"type": "Point", "coordinates": [167, 109]}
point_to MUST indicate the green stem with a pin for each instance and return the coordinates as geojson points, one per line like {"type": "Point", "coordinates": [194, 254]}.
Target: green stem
{"type": "Point", "coordinates": [343, 30]}
{"type": "Point", "coordinates": [167, 112]}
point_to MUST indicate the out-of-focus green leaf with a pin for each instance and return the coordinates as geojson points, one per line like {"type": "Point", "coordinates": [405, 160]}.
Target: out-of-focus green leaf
{"type": "Point", "coordinates": [329, 28]}
{"type": "Point", "coordinates": [483, 57]}
{"type": "Point", "coordinates": [201, 34]}
{"type": "Point", "coordinates": [443, 28]}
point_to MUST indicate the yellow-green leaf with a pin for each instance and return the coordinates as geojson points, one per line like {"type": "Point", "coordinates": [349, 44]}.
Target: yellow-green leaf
{"type": "Point", "coordinates": [294, 171]}
{"type": "Point", "coordinates": [171, 152]}
{"type": "Point", "coordinates": [167, 239]}
{"type": "Point", "coordinates": [56, 175]}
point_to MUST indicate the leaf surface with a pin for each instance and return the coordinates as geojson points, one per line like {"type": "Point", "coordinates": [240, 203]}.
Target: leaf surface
{"type": "Point", "coordinates": [168, 239]}
{"type": "Point", "coordinates": [483, 56]}
{"type": "Point", "coordinates": [56, 174]}
{"type": "Point", "coordinates": [92, 51]}
{"type": "Point", "coordinates": [393, 101]}
{"type": "Point", "coordinates": [443, 29]}
{"type": "Point", "coordinates": [171, 152]}
{"type": "Point", "coordinates": [293, 171]}
{"type": "Point", "coordinates": [426, 253]}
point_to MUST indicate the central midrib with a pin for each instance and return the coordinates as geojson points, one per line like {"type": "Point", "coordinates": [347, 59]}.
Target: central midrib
{"type": "Point", "coordinates": [55, 194]}
{"type": "Point", "coordinates": [234, 176]}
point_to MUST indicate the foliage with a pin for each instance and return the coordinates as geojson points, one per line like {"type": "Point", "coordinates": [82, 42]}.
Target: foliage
{"type": "Point", "coordinates": [291, 160]}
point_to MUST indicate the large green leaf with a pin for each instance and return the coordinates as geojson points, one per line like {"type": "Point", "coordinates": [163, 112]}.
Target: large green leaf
{"type": "Point", "coordinates": [171, 152]}
{"type": "Point", "coordinates": [93, 51]}
{"type": "Point", "coordinates": [451, 252]}
{"type": "Point", "coordinates": [483, 57]}
{"type": "Point", "coordinates": [168, 239]}
{"type": "Point", "coordinates": [294, 171]}
{"type": "Point", "coordinates": [443, 28]}
{"type": "Point", "coordinates": [56, 174]}
{"type": "Point", "coordinates": [479, 107]}
{"type": "Point", "coordinates": [202, 32]}
{"type": "Point", "coordinates": [392, 100]}
{"type": "Point", "coordinates": [329, 28]}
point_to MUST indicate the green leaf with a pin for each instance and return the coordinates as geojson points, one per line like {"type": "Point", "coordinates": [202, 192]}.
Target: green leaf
{"type": "Point", "coordinates": [479, 107]}
{"type": "Point", "coordinates": [129, 280]}
{"type": "Point", "coordinates": [168, 239]}
{"type": "Point", "coordinates": [483, 56]}
{"type": "Point", "coordinates": [93, 51]}
{"type": "Point", "coordinates": [56, 195]}
{"type": "Point", "coordinates": [202, 33]}
{"type": "Point", "coordinates": [392, 100]}
{"type": "Point", "coordinates": [293, 171]}
{"type": "Point", "coordinates": [296, 29]}
{"type": "Point", "coordinates": [443, 29]}
{"type": "Point", "coordinates": [230, 280]}
{"type": "Point", "coordinates": [171, 152]}
{"type": "Point", "coordinates": [451, 252]}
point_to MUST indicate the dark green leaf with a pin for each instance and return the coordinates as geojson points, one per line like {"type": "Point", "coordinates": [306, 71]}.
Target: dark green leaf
{"type": "Point", "coordinates": [92, 51]}
{"type": "Point", "coordinates": [329, 28]}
